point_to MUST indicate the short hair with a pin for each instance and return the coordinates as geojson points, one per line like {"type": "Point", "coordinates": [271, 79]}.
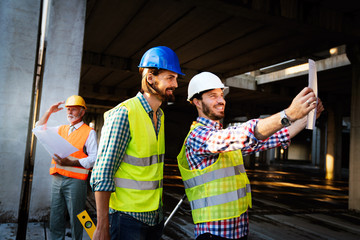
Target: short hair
{"type": "Point", "coordinates": [199, 95]}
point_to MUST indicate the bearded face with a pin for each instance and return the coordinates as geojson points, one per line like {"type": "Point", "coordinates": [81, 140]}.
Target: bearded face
{"type": "Point", "coordinates": [214, 113]}
{"type": "Point", "coordinates": [165, 94]}
{"type": "Point", "coordinates": [163, 85]}
{"type": "Point", "coordinates": [74, 114]}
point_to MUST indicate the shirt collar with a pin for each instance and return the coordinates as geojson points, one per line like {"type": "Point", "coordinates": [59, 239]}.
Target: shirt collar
{"type": "Point", "coordinates": [78, 125]}
{"type": "Point", "coordinates": [145, 103]}
{"type": "Point", "coordinates": [209, 123]}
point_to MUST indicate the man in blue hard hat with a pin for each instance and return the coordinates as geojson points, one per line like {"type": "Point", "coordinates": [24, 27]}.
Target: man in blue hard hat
{"type": "Point", "coordinates": [128, 174]}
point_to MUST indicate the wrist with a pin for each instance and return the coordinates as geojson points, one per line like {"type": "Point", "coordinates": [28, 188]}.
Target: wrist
{"type": "Point", "coordinates": [289, 115]}
{"type": "Point", "coordinates": [284, 119]}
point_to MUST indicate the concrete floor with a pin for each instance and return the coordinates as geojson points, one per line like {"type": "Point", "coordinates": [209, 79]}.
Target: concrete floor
{"type": "Point", "coordinates": [290, 201]}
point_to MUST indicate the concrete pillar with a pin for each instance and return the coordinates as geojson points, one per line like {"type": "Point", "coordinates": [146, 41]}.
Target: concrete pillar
{"type": "Point", "coordinates": [353, 53]}
{"type": "Point", "coordinates": [64, 39]}
{"type": "Point", "coordinates": [330, 154]}
{"type": "Point", "coordinates": [334, 143]}
{"type": "Point", "coordinates": [270, 156]}
{"type": "Point", "coordinates": [315, 146]}
{"type": "Point", "coordinates": [338, 143]}
{"type": "Point", "coordinates": [18, 38]}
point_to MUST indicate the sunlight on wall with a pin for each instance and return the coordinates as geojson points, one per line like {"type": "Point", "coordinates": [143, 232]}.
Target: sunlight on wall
{"type": "Point", "coordinates": [329, 166]}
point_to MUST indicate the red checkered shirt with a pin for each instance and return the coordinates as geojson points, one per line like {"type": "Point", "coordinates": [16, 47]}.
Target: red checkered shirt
{"type": "Point", "coordinates": [203, 147]}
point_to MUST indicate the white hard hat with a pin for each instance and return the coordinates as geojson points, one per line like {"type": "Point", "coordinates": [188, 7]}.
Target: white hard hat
{"type": "Point", "coordinates": [202, 82]}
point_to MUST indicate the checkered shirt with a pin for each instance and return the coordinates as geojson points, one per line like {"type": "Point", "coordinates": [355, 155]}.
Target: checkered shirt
{"type": "Point", "coordinates": [203, 147]}
{"type": "Point", "coordinates": [115, 137]}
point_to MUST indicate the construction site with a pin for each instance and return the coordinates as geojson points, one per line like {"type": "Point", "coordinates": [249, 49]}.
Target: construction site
{"type": "Point", "coordinates": [260, 49]}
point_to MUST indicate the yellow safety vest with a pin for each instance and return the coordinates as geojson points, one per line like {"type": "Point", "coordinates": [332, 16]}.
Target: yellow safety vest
{"type": "Point", "coordinates": [139, 179]}
{"type": "Point", "coordinates": [218, 192]}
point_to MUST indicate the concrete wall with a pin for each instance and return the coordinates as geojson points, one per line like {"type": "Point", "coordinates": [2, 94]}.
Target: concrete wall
{"type": "Point", "coordinates": [299, 151]}
{"type": "Point", "coordinates": [18, 38]}
{"type": "Point", "coordinates": [61, 80]}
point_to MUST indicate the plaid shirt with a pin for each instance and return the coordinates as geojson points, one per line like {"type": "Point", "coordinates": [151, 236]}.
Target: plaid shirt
{"type": "Point", "coordinates": [203, 147]}
{"type": "Point", "coordinates": [115, 137]}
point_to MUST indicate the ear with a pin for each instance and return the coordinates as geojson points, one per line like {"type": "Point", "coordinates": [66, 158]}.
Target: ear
{"type": "Point", "coordinates": [82, 112]}
{"type": "Point", "coordinates": [197, 103]}
{"type": "Point", "coordinates": [150, 78]}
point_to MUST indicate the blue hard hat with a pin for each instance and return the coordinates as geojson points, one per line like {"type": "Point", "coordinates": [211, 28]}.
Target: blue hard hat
{"type": "Point", "coordinates": [162, 58]}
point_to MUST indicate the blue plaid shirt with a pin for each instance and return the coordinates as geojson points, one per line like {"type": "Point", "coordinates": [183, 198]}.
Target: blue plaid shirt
{"type": "Point", "coordinates": [203, 147]}
{"type": "Point", "coordinates": [115, 137]}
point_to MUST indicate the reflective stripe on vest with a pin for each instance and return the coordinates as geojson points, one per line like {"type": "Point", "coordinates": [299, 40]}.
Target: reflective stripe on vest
{"type": "Point", "coordinates": [220, 199]}
{"type": "Point", "coordinates": [139, 178]}
{"type": "Point", "coordinates": [143, 162]}
{"type": "Point", "coordinates": [213, 175]}
{"type": "Point", "coordinates": [139, 185]}
{"type": "Point", "coordinates": [71, 169]}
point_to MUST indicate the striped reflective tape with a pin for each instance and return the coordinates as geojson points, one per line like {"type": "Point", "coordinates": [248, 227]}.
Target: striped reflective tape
{"type": "Point", "coordinates": [71, 169]}
{"type": "Point", "coordinates": [139, 185]}
{"type": "Point", "coordinates": [220, 199]}
{"type": "Point", "coordinates": [214, 175]}
{"type": "Point", "coordinates": [143, 162]}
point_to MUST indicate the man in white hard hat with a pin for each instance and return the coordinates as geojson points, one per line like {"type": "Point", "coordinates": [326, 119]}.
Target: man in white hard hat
{"type": "Point", "coordinates": [128, 173]}
{"type": "Point", "coordinates": [69, 185]}
{"type": "Point", "coordinates": [211, 163]}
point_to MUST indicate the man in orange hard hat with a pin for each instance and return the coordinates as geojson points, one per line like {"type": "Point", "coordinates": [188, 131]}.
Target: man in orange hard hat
{"type": "Point", "coordinates": [69, 185]}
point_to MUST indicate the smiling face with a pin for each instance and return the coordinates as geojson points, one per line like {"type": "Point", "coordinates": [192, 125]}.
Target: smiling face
{"type": "Point", "coordinates": [164, 84]}
{"type": "Point", "coordinates": [211, 105]}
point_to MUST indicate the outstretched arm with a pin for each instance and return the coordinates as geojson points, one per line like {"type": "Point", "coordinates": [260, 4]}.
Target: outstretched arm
{"type": "Point", "coordinates": [301, 105]}
{"type": "Point", "coordinates": [53, 109]}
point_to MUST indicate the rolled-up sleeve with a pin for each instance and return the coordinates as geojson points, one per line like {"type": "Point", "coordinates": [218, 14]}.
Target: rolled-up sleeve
{"type": "Point", "coordinates": [243, 137]}
{"type": "Point", "coordinates": [91, 150]}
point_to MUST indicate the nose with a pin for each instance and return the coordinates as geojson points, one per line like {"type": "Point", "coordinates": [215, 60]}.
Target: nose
{"type": "Point", "coordinates": [175, 84]}
{"type": "Point", "coordinates": [221, 99]}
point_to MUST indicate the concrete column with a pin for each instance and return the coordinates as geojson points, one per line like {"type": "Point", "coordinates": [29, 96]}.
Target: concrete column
{"type": "Point", "coordinates": [64, 39]}
{"type": "Point", "coordinates": [18, 37]}
{"type": "Point", "coordinates": [315, 146]}
{"type": "Point", "coordinates": [330, 154]}
{"type": "Point", "coordinates": [353, 53]}
{"type": "Point", "coordinates": [334, 142]}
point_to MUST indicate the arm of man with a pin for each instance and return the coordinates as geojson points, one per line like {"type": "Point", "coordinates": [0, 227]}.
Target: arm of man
{"type": "Point", "coordinates": [298, 109]}
{"type": "Point", "coordinates": [88, 162]}
{"type": "Point", "coordinates": [115, 137]}
{"type": "Point", "coordinates": [300, 124]}
{"type": "Point", "coordinates": [53, 109]}
{"type": "Point", "coordinates": [102, 212]}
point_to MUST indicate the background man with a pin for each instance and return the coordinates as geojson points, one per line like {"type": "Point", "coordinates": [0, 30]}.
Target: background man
{"type": "Point", "coordinates": [69, 185]}
{"type": "Point", "coordinates": [129, 167]}
{"type": "Point", "coordinates": [211, 163]}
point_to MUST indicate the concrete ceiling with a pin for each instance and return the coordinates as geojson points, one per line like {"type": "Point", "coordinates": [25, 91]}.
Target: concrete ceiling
{"type": "Point", "coordinates": [226, 37]}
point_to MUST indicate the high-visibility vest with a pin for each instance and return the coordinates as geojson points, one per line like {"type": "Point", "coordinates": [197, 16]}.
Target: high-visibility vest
{"type": "Point", "coordinates": [139, 179]}
{"type": "Point", "coordinates": [218, 192]}
{"type": "Point", "coordinates": [77, 139]}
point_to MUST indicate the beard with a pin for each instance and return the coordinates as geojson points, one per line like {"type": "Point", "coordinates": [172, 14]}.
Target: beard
{"type": "Point", "coordinates": [211, 114]}
{"type": "Point", "coordinates": [164, 96]}
{"type": "Point", "coordinates": [72, 118]}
